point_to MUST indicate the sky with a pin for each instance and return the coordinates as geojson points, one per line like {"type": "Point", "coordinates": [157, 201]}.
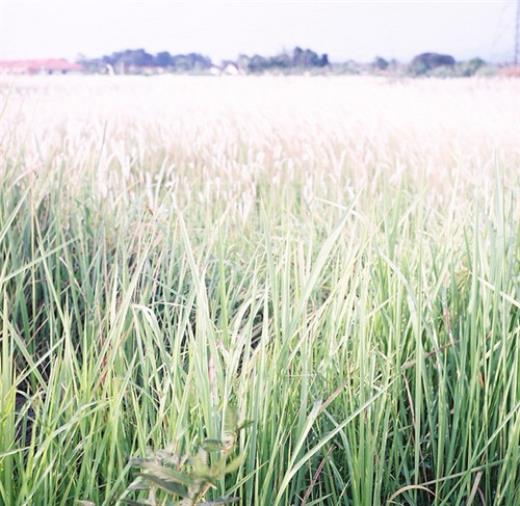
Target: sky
{"type": "Point", "coordinates": [344, 29]}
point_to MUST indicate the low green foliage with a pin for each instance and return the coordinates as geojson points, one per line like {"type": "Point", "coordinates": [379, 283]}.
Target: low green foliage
{"type": "Point", "coordinates": [189, 477]}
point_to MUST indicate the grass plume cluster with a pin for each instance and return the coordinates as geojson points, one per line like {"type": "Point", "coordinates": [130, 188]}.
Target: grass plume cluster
{"type": "Point", "coordinates": [336, 258]}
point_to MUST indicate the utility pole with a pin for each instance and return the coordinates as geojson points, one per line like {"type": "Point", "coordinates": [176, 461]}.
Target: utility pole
{"type": "Point", "coordinates": [517, 33]}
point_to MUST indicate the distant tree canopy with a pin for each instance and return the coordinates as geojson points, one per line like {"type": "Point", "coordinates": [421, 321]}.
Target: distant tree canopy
{"type": "Point", "coordinates": [425, 62]}
{"type": "Point", "coordinates": [136, 60]}
{"type": "Point", "coordinates": [139, 61]}
{"type": "Point", "coordinates": [298, 59]}
{"type": "Point", "coordinates": [129, 57]}
{"type": "Point", "coordinates": [380, 63]}
{"type": "Point", "coordinates": [444, 65]}
{"type": "Point", "coordinates": [133, 60]}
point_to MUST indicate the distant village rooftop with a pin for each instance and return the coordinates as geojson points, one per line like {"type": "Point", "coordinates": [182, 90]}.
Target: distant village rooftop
{"type": "Point", "coordinates": [39, 66]}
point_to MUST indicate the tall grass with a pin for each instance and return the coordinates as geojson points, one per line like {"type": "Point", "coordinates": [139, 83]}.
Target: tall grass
{"type": "Point", "coordinates": [338, 266]}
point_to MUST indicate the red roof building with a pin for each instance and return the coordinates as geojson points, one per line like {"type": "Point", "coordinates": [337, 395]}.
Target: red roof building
{"type": "Point", "coordinates": [47, 66]}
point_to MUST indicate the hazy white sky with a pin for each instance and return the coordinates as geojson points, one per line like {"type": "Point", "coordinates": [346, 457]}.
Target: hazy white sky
{"type": "Point", "coordinates": [221, 29]}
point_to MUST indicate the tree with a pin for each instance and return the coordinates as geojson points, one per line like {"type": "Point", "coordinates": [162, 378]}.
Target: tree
{"type": "Point", "coordinates": [306, 58]}
{"type": "Point", "coordinates": [163, 59]}
{"type": "Point", "coordinates": [380, 63]}
{"type": "Point", "coordinates": [425, 62]}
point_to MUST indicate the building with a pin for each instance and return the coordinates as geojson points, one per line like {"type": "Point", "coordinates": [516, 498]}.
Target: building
{"type": "Point", "coordinates": [43, 66]}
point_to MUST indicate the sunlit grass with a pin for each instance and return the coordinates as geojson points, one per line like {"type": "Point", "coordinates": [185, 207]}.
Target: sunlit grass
{"type": "Point", "coordinates": [337, 259]}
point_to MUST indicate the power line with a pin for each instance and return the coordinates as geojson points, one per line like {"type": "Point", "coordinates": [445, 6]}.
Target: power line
{"type": "Point", "coordinates": [517, 33]}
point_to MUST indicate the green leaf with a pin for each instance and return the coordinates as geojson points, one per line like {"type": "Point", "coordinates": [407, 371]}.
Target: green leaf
{"type": "Point", "coordinates": [245, 425]}
{"type": "Point", "coordinates": [138, 461]}
{"type": "Point", "coordinates": [168, 486]}
{"type": "Point", "coordinates": [168, 474]}
{"type": "Point", "coordinates": [230, 419]}
{"type": "Point", "coordinates": [220, 500]}
{"type": "Point", "coordinates": [213, 445]}
{"type": "Point", "coordinates": [137, 485]}
{"type": "Point", "coordinates": [234, 464]}
{"type": "Point", "coordinates": [200, 464]}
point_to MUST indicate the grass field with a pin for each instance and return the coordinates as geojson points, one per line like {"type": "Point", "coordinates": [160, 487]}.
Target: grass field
{"type": "Point", "coordinates": [335, 260]}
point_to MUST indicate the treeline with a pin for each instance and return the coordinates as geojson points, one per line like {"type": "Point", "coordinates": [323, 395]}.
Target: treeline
{"type": "Point", "coordinates": [298, 59]}
{"type": "Point", "coordinates": [444, 65]}
{"type": "Point", "coordinates": [139, 61]}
